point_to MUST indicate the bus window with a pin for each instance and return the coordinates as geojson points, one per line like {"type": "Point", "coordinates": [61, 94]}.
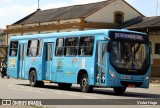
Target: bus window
{"type": "Point", "coordinates": [59, 47]}
{"type": "Point", "coordinates": [32, 48]}
{"type": "Point", "coordinates": [13, 48]}
{"type": "Point", "coordinates": [40, 48]}
{"type": "Point", "coordinates": [71, 46]}
{"type": "Point", "coordinates": [49, 52]}
{"type": "Point", "coordinates": [86, 46]}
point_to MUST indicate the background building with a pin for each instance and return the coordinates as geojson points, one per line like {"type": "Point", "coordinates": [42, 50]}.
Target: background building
{"type": "Point", "coordinates": [3, 46]}
{"type": "Point", "coordinates": [106, 14]}
{"type": "Point", "coordinates": [2, 37]}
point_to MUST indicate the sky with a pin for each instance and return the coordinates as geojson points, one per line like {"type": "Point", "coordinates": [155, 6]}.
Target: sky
{"type": "Point", "coordinates": [14, 10]}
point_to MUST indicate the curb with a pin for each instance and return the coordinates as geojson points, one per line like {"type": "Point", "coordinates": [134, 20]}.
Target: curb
{"type": "Point", "coordinates": [155, 84]}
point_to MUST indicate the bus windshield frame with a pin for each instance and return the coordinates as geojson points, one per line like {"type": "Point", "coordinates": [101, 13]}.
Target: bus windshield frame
{"type": "Point", "coordinates": [129, 52]}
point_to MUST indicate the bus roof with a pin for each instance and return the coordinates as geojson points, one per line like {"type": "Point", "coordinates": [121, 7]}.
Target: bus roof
{"type": "Point", "coordinates": [69, 34]}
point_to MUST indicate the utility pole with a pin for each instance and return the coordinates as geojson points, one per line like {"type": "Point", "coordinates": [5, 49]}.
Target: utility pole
{"type": "Point", "coordinates": [157, 9]}
{"type": "Point", "coordinates": [38, 5]}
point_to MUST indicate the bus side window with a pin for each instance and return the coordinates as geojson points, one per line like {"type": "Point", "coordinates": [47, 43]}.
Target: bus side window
{"type": "Point", "coordinates": [13, 48]}
{"type": "Point", "coordinates": [32, 48]}
{"type": "Point", "coordinates": [86, 46]}
{"type": "Point", "coordinates": [40, 48]}
{"type": "Point", "coordinates": [59, 47]}
{"type": "Point", "coordinates": [71, 46]}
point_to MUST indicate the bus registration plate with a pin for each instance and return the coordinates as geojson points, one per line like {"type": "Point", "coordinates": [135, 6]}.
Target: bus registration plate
{"type": "Point", "coordinates": [131, 85]}
{"type": "Point", "coordinates": [125, 77]}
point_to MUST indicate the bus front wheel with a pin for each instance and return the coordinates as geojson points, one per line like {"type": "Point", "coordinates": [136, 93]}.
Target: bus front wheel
{"type": "Point", "coordinates": [84, 84]}
{"type": "Point", "coordinates": [119, 90]}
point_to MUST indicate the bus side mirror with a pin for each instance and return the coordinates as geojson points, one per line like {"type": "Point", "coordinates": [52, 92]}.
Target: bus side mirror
{"type": "Point", "coordinates": [109, 47]}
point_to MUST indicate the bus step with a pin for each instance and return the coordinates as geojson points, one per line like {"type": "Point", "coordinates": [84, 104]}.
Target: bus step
{"type": "Point", "coordinates": [46, 81]}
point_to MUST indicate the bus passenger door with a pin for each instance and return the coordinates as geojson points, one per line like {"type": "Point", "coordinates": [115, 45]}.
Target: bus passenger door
{"type": "Point", "coordinates": [48, 61]}
{"type": "Point", "coordinates": [22, 55]}
{"type": "Point", "coordinates": [101, 62]}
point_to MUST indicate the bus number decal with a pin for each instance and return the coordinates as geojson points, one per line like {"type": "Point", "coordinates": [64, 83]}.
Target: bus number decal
{"type": "Point", "coordinates": [75, 60]}
{"type": "Point", "coordinates": [68, 73]}
{"type": "Point", "coordinates": [59, 65]}
{"type": "Point", "coordinates": [12, 63]}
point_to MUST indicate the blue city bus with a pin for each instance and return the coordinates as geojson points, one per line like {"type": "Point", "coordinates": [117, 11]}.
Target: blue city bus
{"type": "Point", "coordinates": [92, 58]}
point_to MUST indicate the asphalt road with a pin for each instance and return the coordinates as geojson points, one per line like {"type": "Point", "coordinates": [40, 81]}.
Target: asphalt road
{"type": "Point", "coordinates": [20, 89]}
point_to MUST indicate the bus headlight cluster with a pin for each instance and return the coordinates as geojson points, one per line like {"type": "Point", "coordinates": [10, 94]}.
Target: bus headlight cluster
{"type": "Point", "coordinates": [112, 73]}
{"type": "Point", "coordinates": [148, 76]}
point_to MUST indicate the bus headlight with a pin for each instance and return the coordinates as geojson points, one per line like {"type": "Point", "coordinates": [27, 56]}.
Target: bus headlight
{"type": "Point", "coordinates": [148, 76]}
{"type": "Point", "coordinates": [112, 73]}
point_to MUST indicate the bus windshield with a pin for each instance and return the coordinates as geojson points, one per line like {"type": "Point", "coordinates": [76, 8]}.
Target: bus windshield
{"type": "Point", "coordinates": [129, 56]}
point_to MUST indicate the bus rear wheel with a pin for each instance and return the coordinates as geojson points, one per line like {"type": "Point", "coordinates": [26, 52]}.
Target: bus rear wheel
{"type": "Point", "coordinates": [64, 85]}
{"type": "Point", "coordinates": [33, 80]}
{"type": "Point", "coordinates": [84, 84]}
{"type": "Point", "coordinates": [119, 90]}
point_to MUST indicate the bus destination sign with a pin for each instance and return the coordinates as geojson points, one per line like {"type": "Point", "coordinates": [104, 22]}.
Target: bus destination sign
{"type": "Point", "coordinates": [127, 36]}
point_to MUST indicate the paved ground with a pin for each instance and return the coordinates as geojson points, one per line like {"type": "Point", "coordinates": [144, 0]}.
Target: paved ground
{"type": "Point", "coordinates": [20, 89]}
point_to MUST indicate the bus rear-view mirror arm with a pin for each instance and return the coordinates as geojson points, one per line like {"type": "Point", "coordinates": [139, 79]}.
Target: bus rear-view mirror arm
{"type": "Point", "coordinates": [109, 46]}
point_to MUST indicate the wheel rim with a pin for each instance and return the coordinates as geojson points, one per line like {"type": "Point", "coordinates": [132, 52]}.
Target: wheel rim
{"type": "Point", "coordinates": [84, 83]}
{"type": "Point", "coordinates": [32, 79]}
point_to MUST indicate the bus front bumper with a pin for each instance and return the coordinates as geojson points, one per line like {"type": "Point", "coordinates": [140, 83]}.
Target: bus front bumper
{"type": "Point", "coordinates": [128, 81]}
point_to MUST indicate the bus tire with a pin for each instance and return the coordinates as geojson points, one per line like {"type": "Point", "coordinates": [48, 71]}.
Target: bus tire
{"type": "Point", "coordinates": [64, 85]}
{"type": "Point", "coordinates": [119, 90]}
{"type": "Point", "coordinates": [33, 79]}
{"type": "Point", "coordinates": [84, 84]}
